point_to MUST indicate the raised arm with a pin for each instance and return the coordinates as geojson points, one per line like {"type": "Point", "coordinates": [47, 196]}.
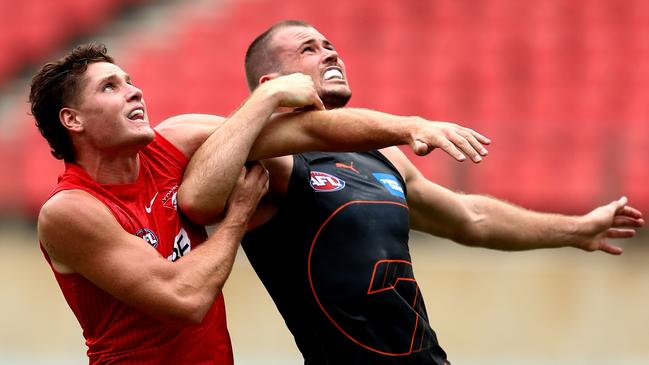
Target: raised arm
{"type": "Point", "coordinates": [483, 221]}
{"type": "Point", "coordinates": [355, 129]}
{"type": "Point", "coordinates": [208, 178]}
{"type": "Point", "coordinates": [81, 235]}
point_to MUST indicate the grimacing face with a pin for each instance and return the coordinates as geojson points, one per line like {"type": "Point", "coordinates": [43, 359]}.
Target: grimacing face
{"type": "Point", "coordinates": [111, 110]}
{"type": "Point", "coordinates": [305, 50]}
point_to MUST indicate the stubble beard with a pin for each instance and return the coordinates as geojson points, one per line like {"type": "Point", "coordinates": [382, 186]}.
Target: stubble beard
{"type": "Point", "coordinates": [335, 99]}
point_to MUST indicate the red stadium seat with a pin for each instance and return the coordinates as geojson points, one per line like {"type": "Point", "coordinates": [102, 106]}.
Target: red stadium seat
{"type": "Point", "coordinates": [560, 87]}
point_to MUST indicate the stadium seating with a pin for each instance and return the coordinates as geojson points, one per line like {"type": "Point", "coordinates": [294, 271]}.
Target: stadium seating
{"type": "Point", "coordinates": [34, 29]}
{"type": "Point", "coordinates": [560, 87]}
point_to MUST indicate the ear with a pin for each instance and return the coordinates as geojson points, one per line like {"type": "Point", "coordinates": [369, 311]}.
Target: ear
{"type": "Point", "coordinates": [269, 77]}
{"type": "Point", "coordinates": [70, 119]}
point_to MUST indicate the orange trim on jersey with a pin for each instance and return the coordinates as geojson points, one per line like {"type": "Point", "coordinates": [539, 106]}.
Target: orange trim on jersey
{"type": "Point", "coordinates": [315, 295]}
{"type": "Point", "coordinates": [383, 287]}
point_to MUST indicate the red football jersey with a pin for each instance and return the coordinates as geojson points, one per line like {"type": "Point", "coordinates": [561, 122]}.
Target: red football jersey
{"type": "Point", "coordinates": [116, 332]}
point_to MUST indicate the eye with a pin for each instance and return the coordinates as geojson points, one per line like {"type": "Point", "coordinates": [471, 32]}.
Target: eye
{"type": "Point", "coordinates": [307, 49]}
{"type": "Point", "coordinates": [108, 87]}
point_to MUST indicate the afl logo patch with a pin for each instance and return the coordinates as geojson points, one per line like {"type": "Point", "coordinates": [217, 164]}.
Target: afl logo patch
{"type": "Point", "coordinates": [323, 182]}
{"type": "Point", "coordinates": [148, 236]}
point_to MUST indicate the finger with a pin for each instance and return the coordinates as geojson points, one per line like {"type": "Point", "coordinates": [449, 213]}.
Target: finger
{"type": "Point", "coordinates": [630, 212]}
{"type": "Point", "coordinates": [258, 173]}
{"type": "Point", "coordinates": [611, 249]}
{"type": "Point", "coordinates": [242, 174]}
{"type": "Point", "coordinates": [421, 148]}
{"type": "Point", "coordinates": [461, 142]}
{"type": "Point", "coordinates": [317, 102]}
{"type": "Point", "coordinates": [450, 148]}
{"type": "Point", "coordinates": [479, 137]}
{"type": "Point", "coordinates": [620, 233]}
{"type": "Point", "coordinates": [252, 166]}
{"type": "Point", "coordinates": [476, 144]}
{"type": "Point", "coordinates": [266, 186]}
{"type": "Point", "coordinates": [615, 205]}
{"type": "Point", "coordinates": [622, 221]}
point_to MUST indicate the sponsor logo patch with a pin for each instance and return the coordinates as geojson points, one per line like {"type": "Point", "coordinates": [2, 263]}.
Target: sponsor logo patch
{"type": "Point", "coordinates": [182, 246]}
{"type": "Point", "coordinates": [148, 236]}
{"type": "Point", "coordinates": [169, 200]}
{"type": "Point", "coordinates": [391, 183]}
{"type": "Point", "coordinates": [323, 182]}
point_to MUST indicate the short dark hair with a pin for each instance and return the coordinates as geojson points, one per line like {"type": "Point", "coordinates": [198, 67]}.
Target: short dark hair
{"type": "Point", "coordinates": [56, 86]}
{"type": "Point", "coordinates": [260, 60]}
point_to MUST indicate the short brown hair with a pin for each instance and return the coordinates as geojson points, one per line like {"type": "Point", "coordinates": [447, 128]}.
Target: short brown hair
{"type": "Point", "coordinates": [56, 86]}
{"type": "Point", "coordinates": [259, 58]}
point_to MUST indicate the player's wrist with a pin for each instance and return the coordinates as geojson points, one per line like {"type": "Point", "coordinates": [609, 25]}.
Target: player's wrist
{"type": "Point", "coordinates": [269, 94]}
{"type": "Point", "coordinates": [412, 131]}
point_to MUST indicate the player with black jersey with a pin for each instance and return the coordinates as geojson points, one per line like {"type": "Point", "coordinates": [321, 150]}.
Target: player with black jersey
{"type": "Point", "coordinates": [335, 260]}
{"type": "Point", "coordinates": [331, 236]}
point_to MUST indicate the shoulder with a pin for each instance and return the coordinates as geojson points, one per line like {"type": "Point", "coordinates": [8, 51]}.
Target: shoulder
{"type": "Point", "coordinates": [188, 131]}
{"type": "Point", "coordinates": [405, 167]}
{"type": "Point", "coordinates": [70, 216]}
{"type": "Point", "coordinates": [71, 211]}
{"type": "Point", "coordinates": [67, 204]}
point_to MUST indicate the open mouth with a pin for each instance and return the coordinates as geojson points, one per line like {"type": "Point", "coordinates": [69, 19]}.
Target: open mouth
{"type": "Point", "coordinates": [333, 73]}
{"type": "Point", "coordinates": [136, 114]}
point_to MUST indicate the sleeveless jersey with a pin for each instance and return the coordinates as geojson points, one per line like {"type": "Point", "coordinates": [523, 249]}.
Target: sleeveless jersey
{"type": "Point", "coordinates": [335, 260]}
{"type": "Point", "coordinates": [114, 331]}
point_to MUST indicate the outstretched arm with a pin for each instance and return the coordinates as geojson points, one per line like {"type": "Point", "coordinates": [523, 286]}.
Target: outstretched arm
{"type": "Point", "coordinates": [483, 221]}
{"type": "Point", "coordinates": [208, 178]}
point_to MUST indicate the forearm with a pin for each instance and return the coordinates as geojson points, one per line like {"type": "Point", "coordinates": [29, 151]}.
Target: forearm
{"type": "Point", "coordinates": [500, 225]}
{"type": "Point", "coordinates": [215, 166]}
{"type": "Point", "coordinates": [200, 275]}
{"type": "Point", "coordinates": [213, 169]}
{"type": "Point", "coordinates": [345, 129]}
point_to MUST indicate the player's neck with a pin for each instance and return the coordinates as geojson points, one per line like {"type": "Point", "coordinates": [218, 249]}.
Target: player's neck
{"type": "Point", "coordinates": [111, 169]}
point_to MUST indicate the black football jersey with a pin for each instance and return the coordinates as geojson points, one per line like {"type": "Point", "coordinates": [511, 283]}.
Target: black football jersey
{"type": "Point", "coordinates": [335, 260]}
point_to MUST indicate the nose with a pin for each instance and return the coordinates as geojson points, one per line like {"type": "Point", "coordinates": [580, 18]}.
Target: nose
{"type": "Point", "coordinates": [134, 94]}
{"type": "Point", "coordinates": [331, 56]}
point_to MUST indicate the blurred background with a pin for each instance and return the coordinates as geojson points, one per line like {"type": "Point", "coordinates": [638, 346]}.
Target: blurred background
{"type": "Point", "coordinates": [560, 86]}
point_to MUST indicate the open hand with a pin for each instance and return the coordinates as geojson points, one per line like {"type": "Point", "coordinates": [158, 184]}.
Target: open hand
{"type": "Point", "coordinates": [457, 141]}
{"type": "Point", "coordinates": [614, 220]}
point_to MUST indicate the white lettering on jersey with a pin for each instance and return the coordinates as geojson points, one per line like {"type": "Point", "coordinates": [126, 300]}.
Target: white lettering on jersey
{"type": "Point", "coordinates": [182, 246]}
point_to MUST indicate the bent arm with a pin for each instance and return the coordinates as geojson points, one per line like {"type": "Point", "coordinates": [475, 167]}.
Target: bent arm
{"type": "Point", "coordinates": [477, 220]}
{"type": "Point", "coordinates": [81, 235]}
{"type": "Point", "coordinates": [208, 178]}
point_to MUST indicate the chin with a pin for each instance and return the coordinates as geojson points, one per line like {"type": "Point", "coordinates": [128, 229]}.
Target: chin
{"type": "Point", "coordinates": [150, 134]}
{"type": "Point", "coordinates": [145, 136]}
{"type": "Point", "coordinates": [333, 99]}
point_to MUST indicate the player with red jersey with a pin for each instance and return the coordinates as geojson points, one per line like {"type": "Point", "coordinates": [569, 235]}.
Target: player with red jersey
{"type": "Point", "coordinates": [142, 280]}
{"type": "Point", "coordinates": [145, 208]}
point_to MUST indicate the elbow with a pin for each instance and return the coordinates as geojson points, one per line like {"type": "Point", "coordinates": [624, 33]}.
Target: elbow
{"type": "Point", "coordinates": [467, 235]}
{"type": "Point", "coordinates": [191, 311]}
{"type": "Point", "coordinates": [185, 320]}
{"type": "Point", "coordinates": [470, 229]}
{"type": "Point", "coordinates": [194, 207]}
{"type": "Point", "coordinates": [192, 318]}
